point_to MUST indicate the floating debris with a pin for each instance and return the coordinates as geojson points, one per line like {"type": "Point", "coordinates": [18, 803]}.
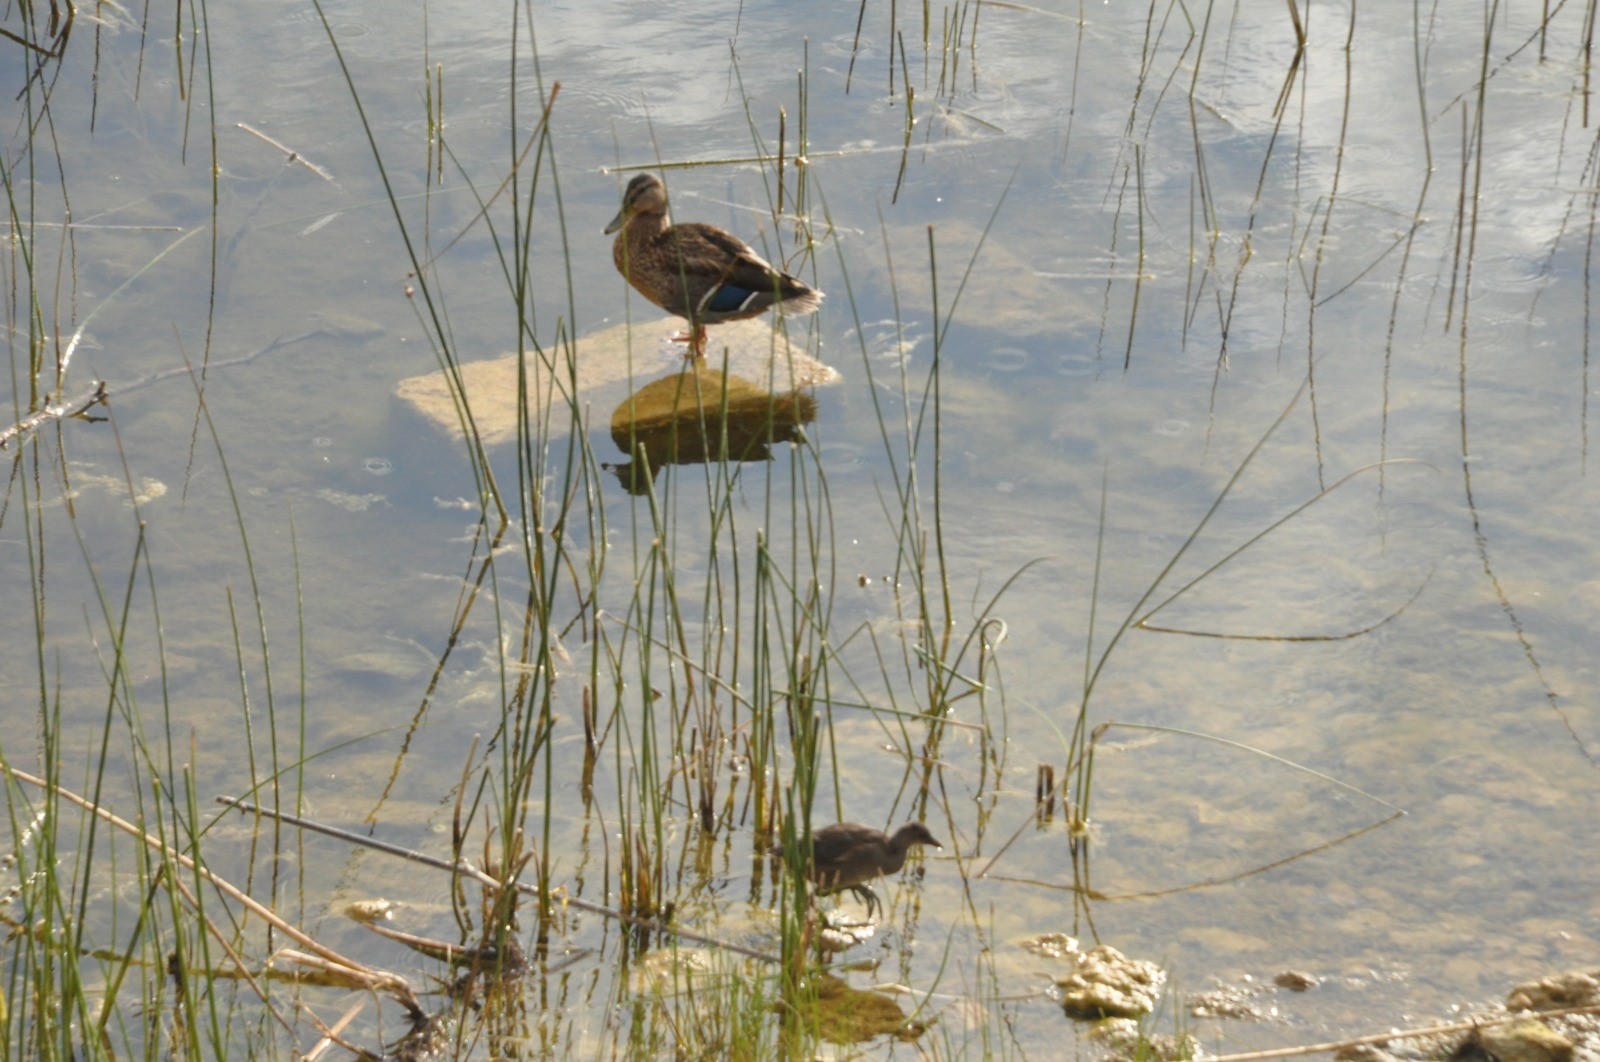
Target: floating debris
{"type": "Point", "coordinates": [1108, 984]}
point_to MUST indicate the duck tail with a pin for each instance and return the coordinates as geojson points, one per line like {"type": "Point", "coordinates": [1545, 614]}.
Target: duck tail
{"type": "Point", "coordinates": [796, 303]}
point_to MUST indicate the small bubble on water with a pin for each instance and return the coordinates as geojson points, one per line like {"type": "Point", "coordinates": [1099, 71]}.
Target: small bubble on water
{"type": "Point", "coordinates": [1008, 359]}
{"type": "Point", "coordinates": [1075, 364]}
{"type": "Point", "coordinates": [840, 456]}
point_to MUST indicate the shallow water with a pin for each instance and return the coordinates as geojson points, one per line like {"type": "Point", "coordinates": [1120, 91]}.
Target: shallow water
{"type": "Point", "coordinates": [1086, 346]}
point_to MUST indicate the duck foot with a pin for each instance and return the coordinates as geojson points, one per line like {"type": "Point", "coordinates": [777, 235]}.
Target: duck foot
{"type": "Point", "coordinates": [696, 340]}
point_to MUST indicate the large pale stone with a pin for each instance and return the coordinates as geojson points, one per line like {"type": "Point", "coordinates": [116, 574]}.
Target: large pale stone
{"type": "Point", "coordinates": [605, 367]}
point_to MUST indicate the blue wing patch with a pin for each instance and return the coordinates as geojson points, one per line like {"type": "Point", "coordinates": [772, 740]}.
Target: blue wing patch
{"type": "Point", "coordinates": [729, 299]}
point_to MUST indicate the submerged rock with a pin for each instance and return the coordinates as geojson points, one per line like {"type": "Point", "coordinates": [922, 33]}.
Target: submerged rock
{"type": "Point", "coordinates": [1124, 1039]}
{"type": "Point", "coordinates": [1053, 946]}
{"type": "Point", "coordinates": [1296, 981]}
{"type": "Point", "coordinates": [1526, 1041]}
{"type": "Point", "coordinates": [1575, 988]}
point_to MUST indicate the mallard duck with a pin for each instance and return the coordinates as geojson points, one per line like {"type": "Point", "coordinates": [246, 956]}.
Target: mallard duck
{"type": "Point", "coordinates": [847, 855]}
{"type": "Point", "coordinates": [697, 271]}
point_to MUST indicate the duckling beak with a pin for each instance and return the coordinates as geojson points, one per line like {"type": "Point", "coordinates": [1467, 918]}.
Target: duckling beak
{"type": "Point", "coordinates": [617, 222]}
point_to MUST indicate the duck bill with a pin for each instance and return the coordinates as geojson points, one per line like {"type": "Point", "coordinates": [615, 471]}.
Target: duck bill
{"type": "Point", "coordinates": [617, 222]}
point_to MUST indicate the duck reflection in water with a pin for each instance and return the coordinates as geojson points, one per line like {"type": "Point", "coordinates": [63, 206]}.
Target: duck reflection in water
{"type": "Point", "coordinates": [703, 414]}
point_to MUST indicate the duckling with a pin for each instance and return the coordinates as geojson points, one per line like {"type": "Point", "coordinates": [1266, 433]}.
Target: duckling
{"type": "Point", "coordinates": [847, 855]}
{"type": "Point", "coordinates": [698, 271]}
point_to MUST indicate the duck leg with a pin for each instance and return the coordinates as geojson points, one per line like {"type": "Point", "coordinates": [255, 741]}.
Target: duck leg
{"type": "Point", "coordinates": [696, 338]}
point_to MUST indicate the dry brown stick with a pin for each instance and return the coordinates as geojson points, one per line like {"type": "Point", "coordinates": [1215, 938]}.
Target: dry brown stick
{"type": "Point", "coordinates": [227, 363]}
{"type": "Point", "coordinates": [1407, 1034]}
{"type": "Point", "coordinates": [539, 129]}
{"type": "Point", "coordinates": [55, 411]}
{"type": "Point", "coordinates": [467, 870]}
{"type": "Point", "coordinates": [331, 1033]}
{"type": "Point", "coordinates": [293, 155]}
{"type": "Point", "coordinates": [102, 391]}
{"type": "Point", "coordinates": [238, 960]}
{"type": "Point", "coordinates": [1037, 803]}
{"type": "Point", "coordinates": [380, 978]}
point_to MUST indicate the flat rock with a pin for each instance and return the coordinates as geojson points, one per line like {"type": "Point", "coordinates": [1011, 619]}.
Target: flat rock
{"type": "Point", "coordinates": [604, 367]}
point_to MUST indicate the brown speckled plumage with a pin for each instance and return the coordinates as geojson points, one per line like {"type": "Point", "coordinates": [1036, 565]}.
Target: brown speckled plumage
{"type": "Point", "coordinates": [697, 271]}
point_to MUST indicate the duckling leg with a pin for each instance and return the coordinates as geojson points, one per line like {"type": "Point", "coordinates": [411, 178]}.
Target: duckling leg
{"type": "Point", "coordinates": [868, 897]}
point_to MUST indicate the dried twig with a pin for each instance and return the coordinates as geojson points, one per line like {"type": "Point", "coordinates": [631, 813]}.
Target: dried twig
{"type": "Point", "coordinates": [467, 870]}
{"type": "Point", "coordinates": [293, 155]}
{"type": "Point", "coordinates": [55, 411]}
{"type": "Point", "coordinates": [102, 391]}
{"type": "Point", "coordinates": [1407, 1034]}
{"type": "Point", "coordinates": [374, 978]}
